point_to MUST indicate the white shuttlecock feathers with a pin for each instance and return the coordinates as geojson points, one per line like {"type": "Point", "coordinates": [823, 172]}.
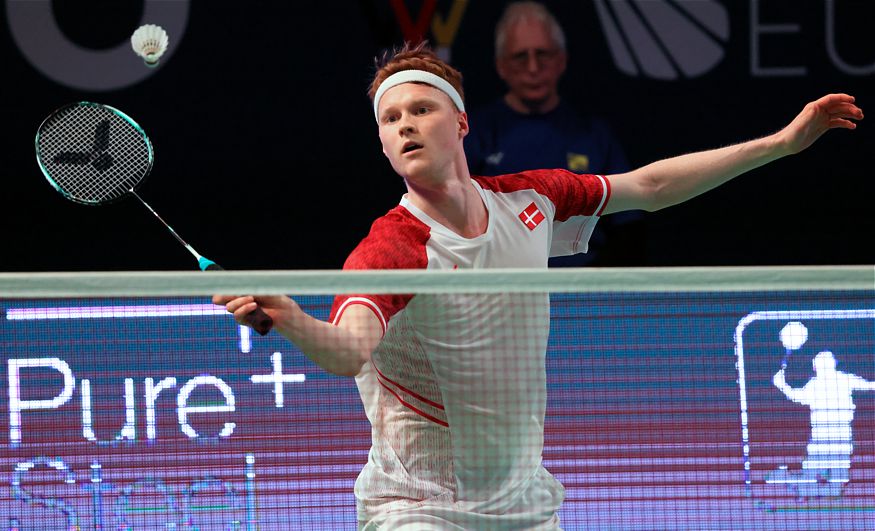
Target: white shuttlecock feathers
{"type": "Point", "coordinates": [150, 43]}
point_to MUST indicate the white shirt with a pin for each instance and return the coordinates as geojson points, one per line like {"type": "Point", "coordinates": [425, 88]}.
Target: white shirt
{"type": "Point", "coordinates": [456, 390]}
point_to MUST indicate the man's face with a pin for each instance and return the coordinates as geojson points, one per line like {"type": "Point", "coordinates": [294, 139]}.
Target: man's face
{"type": "Point", "coordinates": [421, 130]}
{"type": "Point", "coordinates": [531, 63]}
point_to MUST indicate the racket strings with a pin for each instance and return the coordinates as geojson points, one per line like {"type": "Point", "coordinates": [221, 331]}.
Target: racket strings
{"type": "Point", "coordinates": [93, 155]}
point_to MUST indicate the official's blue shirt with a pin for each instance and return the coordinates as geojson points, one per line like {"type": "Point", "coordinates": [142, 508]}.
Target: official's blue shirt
{"type": "Point", "coordinates": [503, 141]}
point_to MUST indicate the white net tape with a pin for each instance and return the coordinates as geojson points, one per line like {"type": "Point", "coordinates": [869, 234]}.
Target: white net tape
{"type": "Point", "coordinates": [681, 279]}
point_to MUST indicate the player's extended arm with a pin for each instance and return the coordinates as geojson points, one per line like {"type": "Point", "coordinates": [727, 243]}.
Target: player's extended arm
{"type": "Point", "coordinates": [674, 180]}
{"type": "Point", "coordinates": [796, 395]}
{"type": "Point", "coordinates": [863, 385]}
{"type": "Point", "coordinates": [341, 349]}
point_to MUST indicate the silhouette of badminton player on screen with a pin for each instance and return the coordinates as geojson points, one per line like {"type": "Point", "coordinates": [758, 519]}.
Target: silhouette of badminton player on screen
{"type": "Point", "coordinates": [829, 394]}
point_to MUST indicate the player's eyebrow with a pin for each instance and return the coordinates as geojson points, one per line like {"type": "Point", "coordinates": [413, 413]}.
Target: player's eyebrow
{"type": "Point", "coordinates": [423, 101]}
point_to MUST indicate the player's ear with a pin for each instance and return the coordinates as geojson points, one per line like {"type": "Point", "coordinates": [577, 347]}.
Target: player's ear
{"type": "Point", "coordinates": [463, 124]}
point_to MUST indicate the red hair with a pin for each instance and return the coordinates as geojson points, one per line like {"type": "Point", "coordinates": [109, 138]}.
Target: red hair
{"type": "Point", "coordinates": [419, 57]}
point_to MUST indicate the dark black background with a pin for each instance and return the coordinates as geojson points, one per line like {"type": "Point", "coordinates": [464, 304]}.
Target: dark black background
{"type": "Point", "coordinates": [267, 155]}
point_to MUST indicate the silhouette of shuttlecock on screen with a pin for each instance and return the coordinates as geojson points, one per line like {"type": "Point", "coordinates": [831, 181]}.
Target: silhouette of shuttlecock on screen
{"type": "Point", "coordinates": [794, 335]}
{"type": "Point", "coordinates": [150, 42]}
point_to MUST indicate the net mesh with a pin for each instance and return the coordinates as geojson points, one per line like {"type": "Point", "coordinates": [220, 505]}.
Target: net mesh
{"type": "Point", "coordinates": [92, 154]}
{"type": "Point", "coordinates": [616, 403]}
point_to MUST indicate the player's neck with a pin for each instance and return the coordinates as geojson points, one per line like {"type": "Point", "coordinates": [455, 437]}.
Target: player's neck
{"type": "Point", "coordinates": [532, 106]}
{"type": "Point", "coordinates": [454, 203]}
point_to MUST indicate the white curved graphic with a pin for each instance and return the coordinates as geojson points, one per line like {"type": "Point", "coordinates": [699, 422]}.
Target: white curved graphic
{"type": "Point", "coordinates": [664, 39]}
{"type": "Point", "coordinates": [36, 33]}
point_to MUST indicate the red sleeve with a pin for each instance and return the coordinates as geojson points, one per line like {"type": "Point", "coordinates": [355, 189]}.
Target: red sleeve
{"type": "Point", "coordinates": [396, 241]}
{"type": "Point", "coordinates": [573, 194]}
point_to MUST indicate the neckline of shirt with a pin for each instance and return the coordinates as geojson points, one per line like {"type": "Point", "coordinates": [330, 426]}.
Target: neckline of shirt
{"type": "Point", "coordinates": [439, 228]}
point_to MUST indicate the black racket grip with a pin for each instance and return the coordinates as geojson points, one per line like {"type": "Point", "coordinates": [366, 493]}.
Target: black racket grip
{"type": "Point", "coordinates": [257, 319]}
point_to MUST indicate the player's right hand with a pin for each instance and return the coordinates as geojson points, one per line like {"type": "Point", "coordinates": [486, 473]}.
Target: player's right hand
{"type": "Point", "coordinates": [278, 307]}
{"type": "Point", "coordinates": [779, 379]}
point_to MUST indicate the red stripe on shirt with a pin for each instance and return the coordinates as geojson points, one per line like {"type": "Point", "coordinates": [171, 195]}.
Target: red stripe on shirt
{"type": "Point", "coordinates": [406, 390]}
{"type": "Point", "coordinates": [413, 408]}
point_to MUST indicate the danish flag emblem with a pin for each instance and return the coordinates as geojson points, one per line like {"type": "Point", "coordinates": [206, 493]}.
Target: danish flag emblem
{"type": "Point", "coordinates": [531, 216]}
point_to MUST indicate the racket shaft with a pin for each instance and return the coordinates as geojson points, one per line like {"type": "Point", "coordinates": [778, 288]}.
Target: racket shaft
{"type": "Point", "coordinates": [257, 319]}
{"type": "Point", "coordinates": [173, 232]}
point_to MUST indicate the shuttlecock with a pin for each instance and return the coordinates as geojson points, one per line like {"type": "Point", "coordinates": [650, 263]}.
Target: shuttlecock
{"type": "Point", "coordinates": [150, 43]}
{"type": "Point", "coordinates": [794, 335]}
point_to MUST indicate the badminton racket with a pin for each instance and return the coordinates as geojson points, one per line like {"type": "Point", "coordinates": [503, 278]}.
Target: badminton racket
{"type": "Point", "coordinates": [94, 154]}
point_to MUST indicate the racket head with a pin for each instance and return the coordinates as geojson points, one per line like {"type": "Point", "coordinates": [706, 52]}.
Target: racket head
{"type": "Point", "coordinates": [92, 153]}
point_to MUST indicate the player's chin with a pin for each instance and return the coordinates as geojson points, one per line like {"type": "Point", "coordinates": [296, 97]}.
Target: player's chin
{"type": "Point", "coordinates": [413, 164]}
{"type": "Point", "coordinates": [535, 97]}
{"type": "Point", "coordinates": [405, 160]}
{"type": "Point", "coordinates": [418, 173]}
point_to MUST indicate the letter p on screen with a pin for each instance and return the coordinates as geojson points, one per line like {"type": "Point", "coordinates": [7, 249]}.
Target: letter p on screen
{"type": "Point", "coordinates": [17, 405]}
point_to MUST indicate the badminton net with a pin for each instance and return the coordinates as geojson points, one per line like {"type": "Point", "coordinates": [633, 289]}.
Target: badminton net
{"type": "Point", "coordinates": [133, 402]}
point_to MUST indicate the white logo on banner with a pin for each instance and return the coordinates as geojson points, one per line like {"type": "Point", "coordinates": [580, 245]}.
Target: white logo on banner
{"type": "Point", "coordinates": [664, 40]}
{"type": "Point", "coordinates": [674, 39]}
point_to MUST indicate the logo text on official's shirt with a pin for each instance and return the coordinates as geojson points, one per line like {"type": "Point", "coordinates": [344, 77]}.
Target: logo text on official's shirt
{"type": "Point", "coordinates": [577, 162]}
{"type": "Point", "coordinates": [531, 216]}
{"type": "Point", "coordinates": [495, 158]}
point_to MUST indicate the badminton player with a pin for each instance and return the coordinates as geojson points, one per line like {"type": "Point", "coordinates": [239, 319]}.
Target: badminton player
{"type": "Point", "coordinates": [454, 386]}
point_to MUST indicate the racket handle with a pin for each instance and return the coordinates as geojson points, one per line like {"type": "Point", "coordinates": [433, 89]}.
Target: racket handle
{"type": "Point", "coordinates": [257, 319]}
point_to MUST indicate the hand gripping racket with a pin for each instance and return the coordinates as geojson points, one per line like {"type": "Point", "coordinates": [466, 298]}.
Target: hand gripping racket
{"type": "Point", "coordinates": [94, 154]}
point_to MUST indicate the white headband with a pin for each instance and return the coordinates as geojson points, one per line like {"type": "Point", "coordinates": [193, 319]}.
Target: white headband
{"type": "Point", "coordinates": [409, 76]}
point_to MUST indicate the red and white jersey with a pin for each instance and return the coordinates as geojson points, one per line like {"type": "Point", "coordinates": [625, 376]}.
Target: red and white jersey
{"type": "Point", "coordinates": [456, 389]}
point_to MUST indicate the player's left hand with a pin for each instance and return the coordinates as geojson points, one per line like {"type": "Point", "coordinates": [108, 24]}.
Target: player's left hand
{"type": "Point", "coordinates": [829, 112]}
